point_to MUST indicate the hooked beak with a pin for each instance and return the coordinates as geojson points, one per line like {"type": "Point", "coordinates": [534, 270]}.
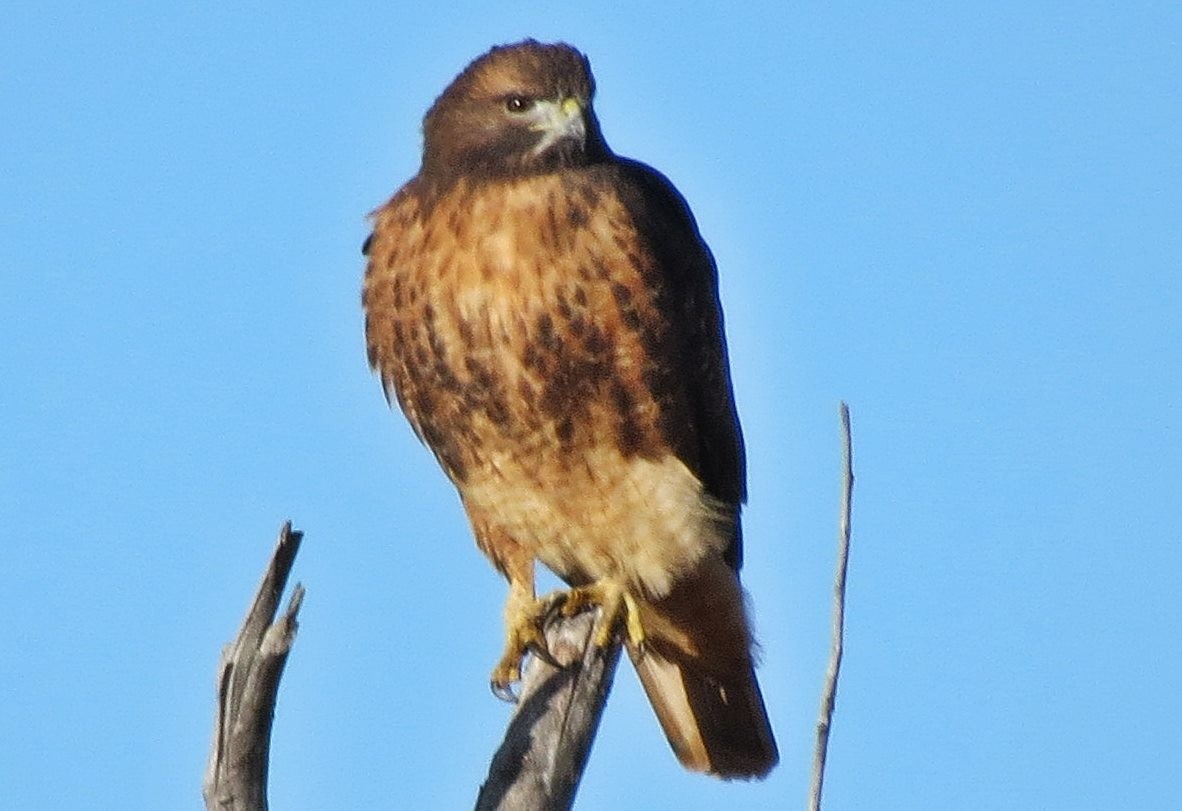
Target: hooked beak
{"type": "Point", "coordinates": [559, 121]}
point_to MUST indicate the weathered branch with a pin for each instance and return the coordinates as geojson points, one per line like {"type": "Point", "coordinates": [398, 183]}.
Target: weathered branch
{"type": "Point", "coordinates": [248, 681]}
{"type": "Point", "coordinates": [829, 692]}
{"type": "Point", "coordinates": [545, 749]}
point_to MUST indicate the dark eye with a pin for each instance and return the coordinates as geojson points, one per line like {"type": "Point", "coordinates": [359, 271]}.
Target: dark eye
{"type": "Point", "coordinates": [518, 104]}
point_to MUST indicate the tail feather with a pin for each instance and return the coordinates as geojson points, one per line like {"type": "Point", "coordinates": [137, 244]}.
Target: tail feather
{"type": "Point", "coordinates": [699, 675]}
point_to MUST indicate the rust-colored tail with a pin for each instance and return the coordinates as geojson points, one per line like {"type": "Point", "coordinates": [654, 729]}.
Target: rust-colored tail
{"type": "Point", "coordinates": [699, 676]}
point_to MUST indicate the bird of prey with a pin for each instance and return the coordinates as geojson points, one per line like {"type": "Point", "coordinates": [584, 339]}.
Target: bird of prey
{"type": "Point", "coordinates": [546, 314]}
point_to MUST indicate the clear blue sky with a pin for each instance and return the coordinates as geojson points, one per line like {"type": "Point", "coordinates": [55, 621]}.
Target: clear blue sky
{"type": "Point", "coordinates": [965, 219]}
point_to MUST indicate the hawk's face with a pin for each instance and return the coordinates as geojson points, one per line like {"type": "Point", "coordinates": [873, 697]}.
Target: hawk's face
{"type": "Point", "coordinates": [512, 112]}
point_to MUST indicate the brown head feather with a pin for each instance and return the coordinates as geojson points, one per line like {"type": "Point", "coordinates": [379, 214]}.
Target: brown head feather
{"type": "Point", "coordinates": [470, 132]}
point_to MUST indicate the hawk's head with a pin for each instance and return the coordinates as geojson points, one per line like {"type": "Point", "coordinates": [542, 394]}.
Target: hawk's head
{"type": "Point", "coordinates": [518, 109]}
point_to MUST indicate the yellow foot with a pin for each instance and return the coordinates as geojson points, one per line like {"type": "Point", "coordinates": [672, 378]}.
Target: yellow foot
{"type": "Point", "coordinates": [526, 616]}
{"type": "Point", "coordinates": [523, 625]}
{"type": "Point", "coordinates": [618, 605]}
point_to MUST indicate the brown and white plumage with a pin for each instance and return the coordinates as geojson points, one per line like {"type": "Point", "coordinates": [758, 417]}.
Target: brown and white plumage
{"type": "Point", "coordinates": [547, 316]}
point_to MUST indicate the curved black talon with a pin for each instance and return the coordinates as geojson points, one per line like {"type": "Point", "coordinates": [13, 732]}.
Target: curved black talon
{"type": "Point", "coordinates": [543, 653]}
{"type": "Point", "coordinates": [504, 692]}
{"type": "Point", "coordinates": [555, 601]}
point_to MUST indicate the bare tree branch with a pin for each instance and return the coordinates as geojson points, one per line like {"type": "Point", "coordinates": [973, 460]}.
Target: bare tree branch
{"type": "Point", "coordinates": [829, 693]}
{"type": "Point", "coordinates": [248, 681]}
{"type": "Point", "coordinates": [540, 761]}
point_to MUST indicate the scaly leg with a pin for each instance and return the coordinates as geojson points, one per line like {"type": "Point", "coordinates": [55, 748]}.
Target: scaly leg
{"type": "Point", "coordinates": [524, 615]}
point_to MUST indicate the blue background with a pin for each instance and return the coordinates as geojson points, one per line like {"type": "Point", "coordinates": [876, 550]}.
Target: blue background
{"type": "Point", "coordinates": [962, 218]}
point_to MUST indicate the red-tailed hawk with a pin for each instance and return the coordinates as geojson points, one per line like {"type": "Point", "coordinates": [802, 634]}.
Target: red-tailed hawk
{"type": "Point", "coordinates": [547, 316]}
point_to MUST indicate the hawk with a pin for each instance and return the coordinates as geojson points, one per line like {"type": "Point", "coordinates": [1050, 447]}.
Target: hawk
{"type": "Point", "coordinates": [546, 314]}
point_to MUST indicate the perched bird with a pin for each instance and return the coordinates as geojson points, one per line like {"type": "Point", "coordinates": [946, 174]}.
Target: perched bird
{"type": "Point", "coordinates": [547, 316]}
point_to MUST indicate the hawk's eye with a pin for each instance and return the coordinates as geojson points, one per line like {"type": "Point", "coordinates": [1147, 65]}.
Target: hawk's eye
{"type": "Point", "coordinates": [518, 104]}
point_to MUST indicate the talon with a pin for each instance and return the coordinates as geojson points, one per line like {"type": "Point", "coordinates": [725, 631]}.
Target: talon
{"type": "Point", "coordinates": [552, 605]}
{"type": "Point", "coordinates": [503, 691]}
{"type": "Point", "coordinates": [540, 650]}
{"type": "Point", "coordinates": [523, 620]}
{"type": "Point", "coordinates": [505, 675]}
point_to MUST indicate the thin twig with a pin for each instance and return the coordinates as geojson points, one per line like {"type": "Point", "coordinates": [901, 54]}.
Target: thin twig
{"type": "Point", "coordinates": [540, 761]}
{"type": "Point", "coordinates": [248, 682]}
{"type": "Point", "coordinates": [829, 693]}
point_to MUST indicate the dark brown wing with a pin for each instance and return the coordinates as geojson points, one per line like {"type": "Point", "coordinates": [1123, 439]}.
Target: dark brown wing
{"type": "Point", "coordinates": [662, 215]}
{"type": "Point", "coordinates": [706, 696]}
{"type": "Point", "coordinates": [392, 334]}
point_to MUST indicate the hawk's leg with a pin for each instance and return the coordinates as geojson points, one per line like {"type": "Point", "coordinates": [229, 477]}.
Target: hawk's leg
{"type": "Point", "coordinates": [618, 606]}
{"type": "Point", "coordinates": [524, 617]}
